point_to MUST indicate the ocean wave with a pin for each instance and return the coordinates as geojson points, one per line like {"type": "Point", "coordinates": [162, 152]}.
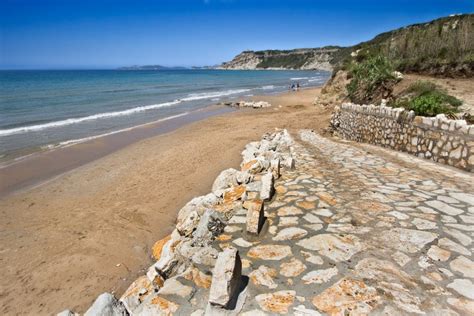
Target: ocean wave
{"type": "Point", "coordinates": [209, 95]}
{"type": "Point", "coordinates": [299, 78]}
{"type": "Point", "coordinates": [269, 87]}
{"type": "Point", "coordinates": [119, 90]}
{"type": "Point", "coordinates": [70, 121]}
{"type": "Point", "coordinates": [85, 139]}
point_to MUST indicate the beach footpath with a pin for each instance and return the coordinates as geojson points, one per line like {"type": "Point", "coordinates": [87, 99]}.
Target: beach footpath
{"type": "Point", "coordinates": [310, 225]}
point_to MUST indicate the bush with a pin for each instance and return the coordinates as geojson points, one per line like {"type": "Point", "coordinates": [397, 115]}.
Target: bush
{"type": "Point", "coordinates": [427, 99]}
{"type": "Point", "coordinates": [370, 77]}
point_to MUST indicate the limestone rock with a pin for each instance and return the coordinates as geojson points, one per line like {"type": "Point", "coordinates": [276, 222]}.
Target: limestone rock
{"type": "Point", "coordinates": [347, 296]}
{"type": "Point", "coordinates": [267, 189]}
{"type": "Point", "coordinates": [292, 268]}
{"type": "Point", "coordinates": [255, 216]}
{"type": "Point", "coordinates": [275, 168]}
{"type": "Point", "coordinates": [156, 305]}
{"type": "Point", "coordinates": [269, 252]}
{"type": "Point", "coordinates": [67, 312]}
{"type": "Point", "coordinates": [106, 305]}
{"type": "Point", "coordinates": [224, 180]}
{"type": "Point", "coordinates": [464, 287]}
{"type": "Point", "coordinates": [189, 215]}
{"type": "Point", "coordinates": [226, 278]}
{"type": "Point", "coordinates": [211, 224]}
{"type": "Point", "coordinates": [264, 276]}
{"type": "Point", "coordinates": [137, 293]}
{"type": "Point", "coordinates": [173, 287]}
{"type": "Point", "coordinates": [335, 247]}
{"type": "Point", "coordinates": [463, 265]}
{"type": "Point", "coordinates": [277, 302]}
{"type": "Point", "coordinates": [438, 254]}
{"type": "Point", "coordinates": [407, 240]}
{"type": "Point", "coordinates": [290, 233]}
{"type": "Point", "coordinates": [319, 276]}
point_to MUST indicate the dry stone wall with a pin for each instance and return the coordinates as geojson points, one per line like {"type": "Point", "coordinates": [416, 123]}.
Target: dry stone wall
{"type": "Point", "coordinates": [436, 138]}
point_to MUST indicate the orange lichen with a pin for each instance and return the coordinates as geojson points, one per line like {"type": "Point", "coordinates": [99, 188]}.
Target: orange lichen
{"type": "Point", "coordinates": [158, 247]}
{"type": "Point", "coordinates": [329, 199]}
{"type": "Point", "coordinates": [246, 166]}
{"type": "Point", "coordinates": [167, 307]}
{"type": "Point", "coordinates": [199, 278]}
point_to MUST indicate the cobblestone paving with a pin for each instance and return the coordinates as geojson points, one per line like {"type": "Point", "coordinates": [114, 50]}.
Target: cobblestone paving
{"type": "Point", "coordinates": [349, 232]}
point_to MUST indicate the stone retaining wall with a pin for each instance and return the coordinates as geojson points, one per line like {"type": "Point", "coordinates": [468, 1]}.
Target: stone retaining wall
{"type": "Point", "coordinates": [437, 138]}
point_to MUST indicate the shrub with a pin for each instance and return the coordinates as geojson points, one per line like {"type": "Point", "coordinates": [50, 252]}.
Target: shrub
{"type": "Point", "coordinates": [371, 75]}
{"type": "Point", "coordinates": [427, 99]}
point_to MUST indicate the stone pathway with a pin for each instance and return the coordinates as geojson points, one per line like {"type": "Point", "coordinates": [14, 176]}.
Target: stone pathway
{"type": "Point", "coordinates": [348, 233]}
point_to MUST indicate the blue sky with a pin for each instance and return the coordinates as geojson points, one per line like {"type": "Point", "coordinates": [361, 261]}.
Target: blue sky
{"type": "Point", "coordinates": [110, 33]}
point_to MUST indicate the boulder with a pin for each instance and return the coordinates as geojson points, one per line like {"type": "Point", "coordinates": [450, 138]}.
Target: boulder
{"type": "Point", "coordinates": [226, 278]}
{"type": "Point", "coordinates": [106, 305]}
{"type": "Point", "coordinates": [210, 226]}
{"type": "Point", "coordinates": [224, 180]}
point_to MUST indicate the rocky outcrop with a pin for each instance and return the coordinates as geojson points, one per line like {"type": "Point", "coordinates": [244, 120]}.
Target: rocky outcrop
{"type": "Point", "coordinates": [187, 258]}
{"type": "Point", "coordinates": [248, 104]}
{"type": "Point", "coordinates": [303, 59]}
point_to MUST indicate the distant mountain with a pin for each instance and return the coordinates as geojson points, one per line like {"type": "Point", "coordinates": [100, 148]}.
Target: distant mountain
{"type": "Point", "coordinates": [150, 67]}
{"type": "Point", "coordinates": [444, 46]}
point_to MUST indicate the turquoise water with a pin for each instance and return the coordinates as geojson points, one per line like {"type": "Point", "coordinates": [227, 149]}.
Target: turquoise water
{"type": "Point", "coordinates": [46, 109]}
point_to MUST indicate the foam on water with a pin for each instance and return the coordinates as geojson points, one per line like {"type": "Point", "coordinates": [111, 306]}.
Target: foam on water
{"type": "Point", "coordinates": [32, 128]}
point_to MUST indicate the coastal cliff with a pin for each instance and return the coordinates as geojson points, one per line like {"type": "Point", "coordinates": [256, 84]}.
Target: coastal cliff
{"type": "Point", "coordinates": [303, 59]}
{"type": "Point", "coordinates": [442, 47]}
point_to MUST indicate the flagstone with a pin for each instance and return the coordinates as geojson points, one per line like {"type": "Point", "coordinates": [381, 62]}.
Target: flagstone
{"type": "Point", "coordinates": [445, 208]}
{"type": "Point", "coordinates": [277, 302]}
{"type": "Point", "coordinates": [264, 276]}
{"type": "Point", "coordinates": [438, 254]}
{"type": "Point", "coordinates": [319, 276]}
{"type": "Point", "coordinates": [464, 239]}
{"type": "Point", "coordinates": [292, 268]}
{"type": "Point", "coordinates": [407, 240]}
{"type": "Point", "coordinates": [347, 296]}
{"type": "Point", "coordinates": [290, 233]}
{"type": "Point", "coordinates": [424, 224]}
{"type": "Point", "coordinates": [463, 265]}
{"type": "Point", "coordinates": [464, 287]}
{"type": "Point", "coordinates": [289, 211]}
{"type": "Point", "coordinates": [335, 247]}
{"type": "Point", "coordinates": [269, 252]}
{"type": "Point", "coordinates": [313, 219]}
{"type": "Point", "coordinates": [288, 221]}
{"type": "Point", "coordinates": [464, 197]}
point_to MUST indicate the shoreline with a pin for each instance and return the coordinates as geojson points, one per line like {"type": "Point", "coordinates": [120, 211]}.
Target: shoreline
{"type": "Point", "coordinates": [36, 168]}
{"type": "Point", "coordinates": [91, 229]}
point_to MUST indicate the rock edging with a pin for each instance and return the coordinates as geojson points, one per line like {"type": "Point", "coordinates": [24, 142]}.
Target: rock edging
{"type": "Point", "coordinates": [187, 254]}
{"type": "Point", "coordinates": [436, 138]}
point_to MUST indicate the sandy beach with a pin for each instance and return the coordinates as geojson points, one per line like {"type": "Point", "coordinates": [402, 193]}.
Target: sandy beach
{"type": "Point", "coordinates": [90, 229]}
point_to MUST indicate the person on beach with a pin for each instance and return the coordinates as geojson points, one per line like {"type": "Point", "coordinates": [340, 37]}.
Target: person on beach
{"type": "Point", "coordinates": [297, 86]}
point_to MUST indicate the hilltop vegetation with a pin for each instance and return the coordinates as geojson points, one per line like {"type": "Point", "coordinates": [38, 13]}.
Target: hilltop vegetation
{"type": "Point", "coordinates": [443, 47]}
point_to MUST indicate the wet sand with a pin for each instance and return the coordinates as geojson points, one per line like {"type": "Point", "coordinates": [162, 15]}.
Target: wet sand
{"type": "Point", "coordinates": [90, 230]}
{"type": "Point", "coordinates": [38, 167]}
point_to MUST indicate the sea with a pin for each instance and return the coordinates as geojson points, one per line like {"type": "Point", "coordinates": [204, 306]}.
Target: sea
{"type": "Point", "coordinates": [47, 109]}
